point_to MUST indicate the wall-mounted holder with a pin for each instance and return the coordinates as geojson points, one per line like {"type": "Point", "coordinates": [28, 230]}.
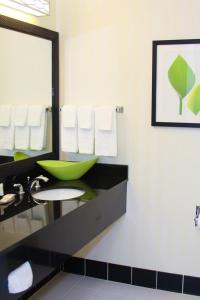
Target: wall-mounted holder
{"type": "Point", "coordinates": [119, 109]}
{"type": "Point", "coordinates": [197, 216]}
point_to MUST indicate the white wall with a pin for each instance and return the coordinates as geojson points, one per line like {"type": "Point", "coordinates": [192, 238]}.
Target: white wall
{"type": "Point", "coordinates": [106, 57]}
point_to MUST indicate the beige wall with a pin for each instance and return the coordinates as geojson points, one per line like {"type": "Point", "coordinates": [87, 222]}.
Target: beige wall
{"type": "Point", "coordinates": [106, 57]}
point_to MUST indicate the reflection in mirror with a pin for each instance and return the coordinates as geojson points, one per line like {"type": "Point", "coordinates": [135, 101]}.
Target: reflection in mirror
{"type": "Point", "coordinates": [25, 88]}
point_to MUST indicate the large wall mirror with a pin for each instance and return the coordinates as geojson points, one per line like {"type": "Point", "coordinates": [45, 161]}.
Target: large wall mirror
{"type": "Point", "coordinates": [28, 93]}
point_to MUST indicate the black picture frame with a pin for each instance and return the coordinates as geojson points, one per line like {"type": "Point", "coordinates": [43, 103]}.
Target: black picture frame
{"type": "Point", "coordinates": [155, 48]}
{"type": "Point", "coordinates": [18, 167]}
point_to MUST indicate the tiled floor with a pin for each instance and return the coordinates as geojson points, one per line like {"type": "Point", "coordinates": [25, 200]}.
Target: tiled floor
{"type": "Point", "coordinates": [73, 287]}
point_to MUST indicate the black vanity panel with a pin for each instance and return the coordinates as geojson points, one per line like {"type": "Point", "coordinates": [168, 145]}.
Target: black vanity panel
{"type": "Point", "coordinates": [48, 235]}
{"type": "Point", "coordinates": [71, 232]}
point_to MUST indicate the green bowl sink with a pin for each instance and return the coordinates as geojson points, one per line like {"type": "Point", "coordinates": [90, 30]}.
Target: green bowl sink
{"type": "Point", "coordinates": [65, 170]}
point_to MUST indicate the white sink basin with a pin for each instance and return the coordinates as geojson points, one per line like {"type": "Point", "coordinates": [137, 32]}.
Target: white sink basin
{"type": "Point", "coordinates": [58, 194]}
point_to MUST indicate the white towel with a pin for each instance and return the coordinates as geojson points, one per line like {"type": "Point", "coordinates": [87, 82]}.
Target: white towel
{"type": "Point", "coordinates": [69, 116]}
{"type": "Point", "coordinates": [35, 115]}
{"type": "Point", "coordinates": [106, 140]}
{"type": "Point", "coordinates": [85, 117]}
{"type": "Point", "coordinates": [38, 134]}
{"type": "Point", "coordinates": [104, 118]}
{"type": "Point", "coordinates": [86, 130]}
{"type": "Point", "coordinates": [20, 279]}
{"type": "Point", "coordinates": [5, 115]}
{"type": "Point", "coordinates": [69, 135]}
{"type": "Point", "coordinates": [22, 136]}
{"type": "Point", "coordinates": [21, 113]}
{"type": "Point", "coordinates": [7, 134]}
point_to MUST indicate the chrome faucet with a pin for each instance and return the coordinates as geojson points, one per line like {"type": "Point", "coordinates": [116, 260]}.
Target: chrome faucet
{"type": "Point", "coordinates": [35, 183]}
{"type": "Point", "coordinates": [20, 186]}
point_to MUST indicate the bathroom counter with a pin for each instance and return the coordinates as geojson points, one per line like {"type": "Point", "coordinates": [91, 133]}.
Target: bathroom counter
{"type": "Point", "coordinates": [47, 235]}
{"type": "Point", "coordinates": [18, 223]}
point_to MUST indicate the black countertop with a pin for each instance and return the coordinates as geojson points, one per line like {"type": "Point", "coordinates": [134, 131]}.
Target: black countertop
{"type": "Point", "coordinates": [18, 223]}
{"type": "Point", "coordinates": [47, 235]}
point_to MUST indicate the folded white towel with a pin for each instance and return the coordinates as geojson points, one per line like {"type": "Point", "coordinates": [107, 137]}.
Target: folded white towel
{"type": "Point", "coordinates": [106, 140]}
{"type": "Point", "coordinates": [85, 117]}
{"type": "Point", "coordinates": [104, 118]}
{"type": "Point", "coordinates": [21, 113]}
{"type": "Point", "coordinates": [22, 137]}
{"type": "Point", "coordinates": [69, 135]}
{"type": "Point", "coordinates": [35, 115]}
{"type": "Point", "coordinates": [69, 116]}
{"type": "Point", "coordinates": [38, 134]}
{"type": "Point", "coordinates": [5, 115]}
{"type": "Point", "coordinates": [7, 134]}
{"type": "Point", "coordinates": [86, 130]}
{"type": "Point", "coordinates": [20, 279]}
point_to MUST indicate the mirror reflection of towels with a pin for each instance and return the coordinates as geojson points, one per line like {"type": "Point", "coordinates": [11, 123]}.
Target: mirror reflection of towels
{"type": "Point", "coordinates": [22, 225]}
{"type": "Point", "coordinates": [36, 224]}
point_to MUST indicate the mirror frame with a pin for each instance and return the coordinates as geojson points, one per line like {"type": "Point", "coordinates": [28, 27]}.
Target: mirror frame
{"type": "Point", "coordinates": [18, 167]}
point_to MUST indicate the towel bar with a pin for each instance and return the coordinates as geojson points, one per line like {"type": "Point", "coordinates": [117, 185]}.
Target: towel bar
{"type": "Point", "coordinates": [119, 109]}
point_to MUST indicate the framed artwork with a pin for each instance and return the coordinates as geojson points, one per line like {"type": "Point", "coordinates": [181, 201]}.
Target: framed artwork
{"type": "Point", "coordinates": [176, 83]}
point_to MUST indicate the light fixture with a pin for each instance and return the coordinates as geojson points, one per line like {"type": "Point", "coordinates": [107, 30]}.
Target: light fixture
{"type": "Point", "coordinates": [34, 7]}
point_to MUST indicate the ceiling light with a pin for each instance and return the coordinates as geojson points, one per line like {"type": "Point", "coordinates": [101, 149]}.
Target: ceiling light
{"type": "Point", "coordinates": [34, 7]}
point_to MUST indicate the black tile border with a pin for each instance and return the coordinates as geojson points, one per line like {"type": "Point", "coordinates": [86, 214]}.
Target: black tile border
{"type": "Point", "coordinates": [143, 277]}
{"type": "Point", "coordinates": [74, 265]}
{"type": "Point", "coordinates": [124, 274]}
{"type": "Point", "coordinates": [170, 282]}
{"type": "Point", "coordinates": [96, 269]}
{"type": "Point", "coordinates": [119, 273]}
{"type": "Point", "coordinates": [191, 285]}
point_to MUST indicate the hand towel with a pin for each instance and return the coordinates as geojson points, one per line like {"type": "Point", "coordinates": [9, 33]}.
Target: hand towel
{"type": "Point", "coordinates": [5, 115]}
{"type": "Point", "coordinates": [35, 115]}
{"type": "Point", "coordinates": [38, 134]}
{"type": "Point", "coordinates": [22, 136]}
{"type": "Point", "coordinates": [105, 140]}
{"type": "Point", "coordinates": [69, 135]}
{"type": "Point", "coordinates": [85, 117]}
{"type": "Point", "coordinates": [7, 133]}
{"type": "Point", "coordinates": [104, 117]}
{"type": "Point", "coordinates": [86, 130]}
{"type": "Point", "coordinates": [69, 116]}
{"type": "Point", "coordinates": [21, 113]}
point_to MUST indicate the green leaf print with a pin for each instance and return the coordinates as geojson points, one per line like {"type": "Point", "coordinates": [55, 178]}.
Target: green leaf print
{"type": "Point", "coordinates": [182, 78]}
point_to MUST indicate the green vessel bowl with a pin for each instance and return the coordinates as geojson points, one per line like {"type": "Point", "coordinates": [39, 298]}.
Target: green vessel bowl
{"type": "Point", "coordinates": [65, 170]}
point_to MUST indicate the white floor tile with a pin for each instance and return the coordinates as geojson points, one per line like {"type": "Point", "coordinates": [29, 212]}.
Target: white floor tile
{"type": "Point", "coordinates": [73, 287]}
{"type": "Point", "coordinates": [79, 293]}
{"type": "Point", "coordinates": [57, 287]}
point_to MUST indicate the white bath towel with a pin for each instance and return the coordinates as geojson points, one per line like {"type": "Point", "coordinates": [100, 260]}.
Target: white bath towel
{"type": "Point", "coordinates": [105, 140]}
{"type": "Point", "coordinates": [86, 130]}
{"type": "Point", "coordinates": [35, 115]}
{"type": "Point", "coordinates": [69, 116]}
{"type": "Point", "coordinates": [7, 134]}
{"type": "Point", "coordinates": [104, 117]}
{"type": "Point", "coordinates": [38, 134]}
{"type": "Point", "coordinates": [69, 135]}
{"type": "Point", "coordinates": [20, 279]}
{"type": "Point", "coordinates": [5, 115]}
{"type": "Point", "coordinates": [21, 113]}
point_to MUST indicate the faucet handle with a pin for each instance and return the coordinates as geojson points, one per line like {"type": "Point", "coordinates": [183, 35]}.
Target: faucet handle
{"type": "Point", "coordinates": [42, 177]}
{"type": "Point", "coordinates": [20, 187]}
